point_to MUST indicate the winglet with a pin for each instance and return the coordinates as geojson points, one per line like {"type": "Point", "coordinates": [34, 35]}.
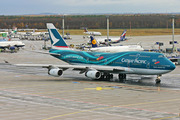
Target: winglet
{"type": "Point", "coordinates": [6, 61]}
{"type": "Point", "coordinates": [56, 40]}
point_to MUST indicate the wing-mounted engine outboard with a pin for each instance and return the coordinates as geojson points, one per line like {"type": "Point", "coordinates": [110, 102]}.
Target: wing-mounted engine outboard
{"type": "Point", "coordinates": [94, 74]}
{"type": "Point", "coordinates": [54, 71]}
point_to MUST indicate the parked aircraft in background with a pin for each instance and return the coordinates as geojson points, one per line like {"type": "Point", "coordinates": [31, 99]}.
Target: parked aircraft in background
{"type": "Point", "coordinates": [33, 33]}
{"type": "Point", "coordinates": [9, 33]}
{"type": "Point", "coordinates": [95, 47]}
{"type": "Point", "coordinates": [14, 33]}
{"type": "Point", "coordinates": [11, 44]}
{"type": "Point", "coordinates": [92, 32]}
{"type": "Point", "coordinates": [98, 65]}
{"type": "Point", "coordinates": [113, 40]}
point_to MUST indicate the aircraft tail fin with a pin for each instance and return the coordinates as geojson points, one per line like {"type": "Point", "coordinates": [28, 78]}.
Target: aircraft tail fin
{"type": "Point", "coordinates": [122, 37]}
{"type": "Point", "coordinates": [94, 42]}
{"type": "Point", "coordinates": [56, 40]}
{"type": "Point", "coordinates": [14, 29]}
{"type": "Point", "coordinates": [123, 34]}
{"type": "Point", "coordinates": [85, 30]}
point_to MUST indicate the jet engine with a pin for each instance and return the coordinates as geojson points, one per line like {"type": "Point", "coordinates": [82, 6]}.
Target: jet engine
{"type": "Point", "coordinates": [55, 72]}
{"type": "Point", "coordinates": [93, 74]}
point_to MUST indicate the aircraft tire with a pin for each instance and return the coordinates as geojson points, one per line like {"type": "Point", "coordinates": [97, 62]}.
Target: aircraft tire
{"type": "Point", "coordinates": [122, 76]}
{"type": "Point", "coordinates": [111, 76]}
{"type": "Point", "coordinates": [158, 81]}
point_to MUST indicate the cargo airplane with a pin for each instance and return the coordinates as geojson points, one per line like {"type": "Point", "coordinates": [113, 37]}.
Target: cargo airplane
{"type": "Point", "coordinates": [99, 65]}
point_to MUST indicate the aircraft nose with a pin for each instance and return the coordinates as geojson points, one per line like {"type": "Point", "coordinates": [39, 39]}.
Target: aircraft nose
{"type": "Point", "coordinates": [173, 66]}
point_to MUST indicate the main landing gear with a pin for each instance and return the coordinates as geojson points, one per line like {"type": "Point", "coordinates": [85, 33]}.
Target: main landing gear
{"type": "Point", "coordinates": [122, 77]}
{"type": "Point", "coordinates": [106, 77]}
{"type": "Point", "coordinates": [158, 79]}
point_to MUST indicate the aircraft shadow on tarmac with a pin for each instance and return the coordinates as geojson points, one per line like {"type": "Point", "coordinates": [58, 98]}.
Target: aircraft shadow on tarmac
{"type": "Point", "coordinates": [133, 80]}
{"type": "Point", "coordinates": [140, 80]}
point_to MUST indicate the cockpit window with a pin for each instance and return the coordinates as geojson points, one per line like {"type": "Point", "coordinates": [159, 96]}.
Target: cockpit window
{"type": "Point", "coordinates": [160, 56]}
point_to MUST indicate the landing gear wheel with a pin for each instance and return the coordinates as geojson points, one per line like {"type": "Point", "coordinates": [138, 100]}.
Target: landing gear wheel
{"type": "Point", "coordinates": [106, 77]}
{"type": "Point", "coordinates": [122, 77]}
{"type": "Point", "coordinates": [101, 78]}
{"type": "Point", "coordinates": [111, 76]}
{"type": "Point", "coordinates": [158, 81]}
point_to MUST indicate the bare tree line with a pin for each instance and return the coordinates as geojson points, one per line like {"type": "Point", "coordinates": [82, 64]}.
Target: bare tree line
{"type": "Point", "coordinates": [91, 21]}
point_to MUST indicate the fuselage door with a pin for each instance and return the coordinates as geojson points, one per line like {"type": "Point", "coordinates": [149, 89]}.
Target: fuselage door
{"type": "Point", "coordinates": [128, 64]}
{"type": "Point", "coordinates": [148, 65]}
{"type": "Point", "coordinates": [87, 60]}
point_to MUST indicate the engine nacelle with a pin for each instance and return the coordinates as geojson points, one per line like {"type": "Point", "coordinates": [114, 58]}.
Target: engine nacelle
{"type": "Point", "coordinates": [93, 74]}
{"type": "Point", "coordinates": [55, 72]}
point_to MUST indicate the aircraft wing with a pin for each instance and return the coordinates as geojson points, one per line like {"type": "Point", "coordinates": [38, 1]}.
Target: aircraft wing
{"type": "Point", "coordinates": [4, 46]}
{"type": "Point", "coordinates": [82, 68]}
{"type": "Point", "coordinates": [42, 52]}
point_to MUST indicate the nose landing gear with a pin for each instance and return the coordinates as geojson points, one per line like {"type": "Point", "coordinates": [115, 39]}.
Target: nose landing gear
{"type": "Point", "coordinates": [158, 79]}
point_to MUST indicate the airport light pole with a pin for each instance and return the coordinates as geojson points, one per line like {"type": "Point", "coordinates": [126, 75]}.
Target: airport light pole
{"type": "Point", "coordinates": [9, 28]}
{"type": "Point", "coordinates": [9, 34]}
{"type": "Point", "coordinates": [173, 31]}
{"type": "Point", "coordinates": [107, 17]}
{"type": "Point", "coordinates": [63, 26]}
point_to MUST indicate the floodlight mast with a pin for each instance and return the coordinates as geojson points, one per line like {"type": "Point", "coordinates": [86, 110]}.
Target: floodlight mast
{"type": "Point", "coordinates": [107, 17]}
{"type": "Point", "coordinates": [63, 26]}
{"type": "Point", "coordinates": [173, 31]}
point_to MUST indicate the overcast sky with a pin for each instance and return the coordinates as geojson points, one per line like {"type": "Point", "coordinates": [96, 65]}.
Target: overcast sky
{"type": "Point", "coordinates": [20, 7]}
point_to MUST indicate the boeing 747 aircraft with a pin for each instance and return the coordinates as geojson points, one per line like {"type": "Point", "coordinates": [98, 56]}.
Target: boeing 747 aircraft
{"type": "Point", "coordinates": [98, 65]}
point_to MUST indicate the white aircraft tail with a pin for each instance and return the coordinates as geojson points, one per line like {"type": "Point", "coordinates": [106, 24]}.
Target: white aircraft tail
{"type": "Point", "coordinates": [56, 40]}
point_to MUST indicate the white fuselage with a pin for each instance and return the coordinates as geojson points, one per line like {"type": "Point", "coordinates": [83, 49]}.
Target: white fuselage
{"type": "Point", "coordinates": [102, 40]}
{"type": "Point", "coordinates": [93, 33]}
{"type": "Point", "coordinates": [38, 33]}
{"type": "Point", "coordinates": [114, 49]}
{"type": "Point", "coordinates": [11, 43]}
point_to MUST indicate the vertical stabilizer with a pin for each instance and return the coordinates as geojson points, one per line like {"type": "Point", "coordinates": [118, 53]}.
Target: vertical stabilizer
{"type": "Point", "coordinates": [94, 42]}
{"type": "Point", "coordinates": [14, 29]}
{"type": "Point", "coordinates": [123, 34]}
{"type": "Point", "coordinates": [122, 37]}
{"type": "Point", "coordinates": [85, 30]}
{"type": "Point", "coordinates": [56, 39]}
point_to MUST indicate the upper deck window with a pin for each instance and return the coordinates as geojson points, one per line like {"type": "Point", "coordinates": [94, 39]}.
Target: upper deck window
{"type": "Point", "coordinates": [160, 56]}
